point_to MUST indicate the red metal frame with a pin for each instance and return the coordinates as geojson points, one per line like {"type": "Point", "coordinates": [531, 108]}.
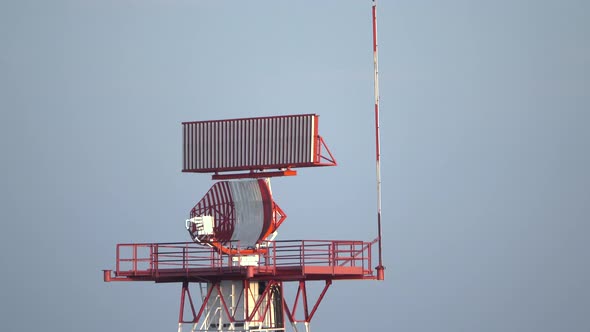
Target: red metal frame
{"type": "Point", "coordinates": [261, 146]}
{"type": "Point", "coordinates": [282, 260]}
{"type": "Point", "coordinates": [254, 175]}
{"type": "Point", "coordinates": [186, 291]}
{"type": "Point", "coordinates": [218, 202]}
{"type": "Point", "coordinates": [302, 290]}
{"type": "Point", "coordinates": [301, 298]}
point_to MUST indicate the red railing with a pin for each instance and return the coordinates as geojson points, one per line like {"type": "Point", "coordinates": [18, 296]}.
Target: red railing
{"type": "Point", "coordinates": [189, 258]}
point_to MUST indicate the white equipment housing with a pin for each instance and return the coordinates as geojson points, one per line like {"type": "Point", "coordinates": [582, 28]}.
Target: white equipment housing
{"type": "Point", "coordinates": [203, 224]}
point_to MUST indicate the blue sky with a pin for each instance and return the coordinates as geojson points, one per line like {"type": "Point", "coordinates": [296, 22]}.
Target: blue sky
{"type": "Point", "coordinates": [485, 112]}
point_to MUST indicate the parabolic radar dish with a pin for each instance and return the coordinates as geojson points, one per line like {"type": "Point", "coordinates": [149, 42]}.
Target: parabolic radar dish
{"type": "Point", "coordinates": [235, 216]}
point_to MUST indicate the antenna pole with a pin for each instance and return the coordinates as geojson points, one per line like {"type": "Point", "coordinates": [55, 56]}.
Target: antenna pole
{"type": "Point", "coordinates": [380, 268]}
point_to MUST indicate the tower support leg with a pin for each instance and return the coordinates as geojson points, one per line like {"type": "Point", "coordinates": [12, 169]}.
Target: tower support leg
{"type": "Point", "coordinates": [233, 305]}
{"type": "Point", "coordinates": [302, 296]}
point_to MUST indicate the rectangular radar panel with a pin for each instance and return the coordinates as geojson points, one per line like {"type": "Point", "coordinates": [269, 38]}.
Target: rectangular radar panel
{"type": "Point", "coordinates": [254, 144]}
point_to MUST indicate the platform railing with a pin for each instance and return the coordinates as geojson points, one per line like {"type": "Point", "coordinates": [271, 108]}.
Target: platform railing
{"type": "Point", "coordinates": [156, 259]}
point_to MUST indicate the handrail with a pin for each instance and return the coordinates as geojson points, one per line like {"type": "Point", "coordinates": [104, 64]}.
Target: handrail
{"type": "Point", "coordinates": [157, 259]}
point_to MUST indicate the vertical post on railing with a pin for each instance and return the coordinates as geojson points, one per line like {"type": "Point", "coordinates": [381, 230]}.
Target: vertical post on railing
{"type": "Point", "coordinates": [352, 263]}
{"type": "Point", "coordinates": [370, 255]}
{"type": "Point", "coordinates": [212, 258]}
{"type": "Point", "coordinates": [217, 258]}
{"type": "Point", "coordinates": [265, 254]}
{"type": "Point", "coordinates": [183, 258]}
{"type": "Point", "coordinates": [134, 259]}
{"type": "Point", "coordinates": [118, 257]}
{"type": "Point", "coordinates": [302, 253]}
{"type": "Point", "coordinates": [274, 258]}
{"type": "Point", "coordinates": [332, 254]}
{"type": "Point", "coordinates": [156, 250]}
{"type": "Point", "coordinates": [152, 259]}
{"type": "Point", "coordinates": [363, 255]}
{"type": "Point", "coordinates": [188, 256]}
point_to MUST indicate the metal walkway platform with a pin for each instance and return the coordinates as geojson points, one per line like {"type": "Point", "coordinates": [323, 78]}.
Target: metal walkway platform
{"type": "Point", "coordinates": [278, 260]}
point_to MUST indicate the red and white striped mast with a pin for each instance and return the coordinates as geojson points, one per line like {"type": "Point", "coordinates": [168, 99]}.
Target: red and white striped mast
{"type": "Point", "coordinates": [380, 268]}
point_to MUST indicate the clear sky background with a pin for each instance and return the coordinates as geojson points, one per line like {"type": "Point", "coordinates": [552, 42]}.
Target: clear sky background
{"type": "Point", "coordinates": [485, 132]}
